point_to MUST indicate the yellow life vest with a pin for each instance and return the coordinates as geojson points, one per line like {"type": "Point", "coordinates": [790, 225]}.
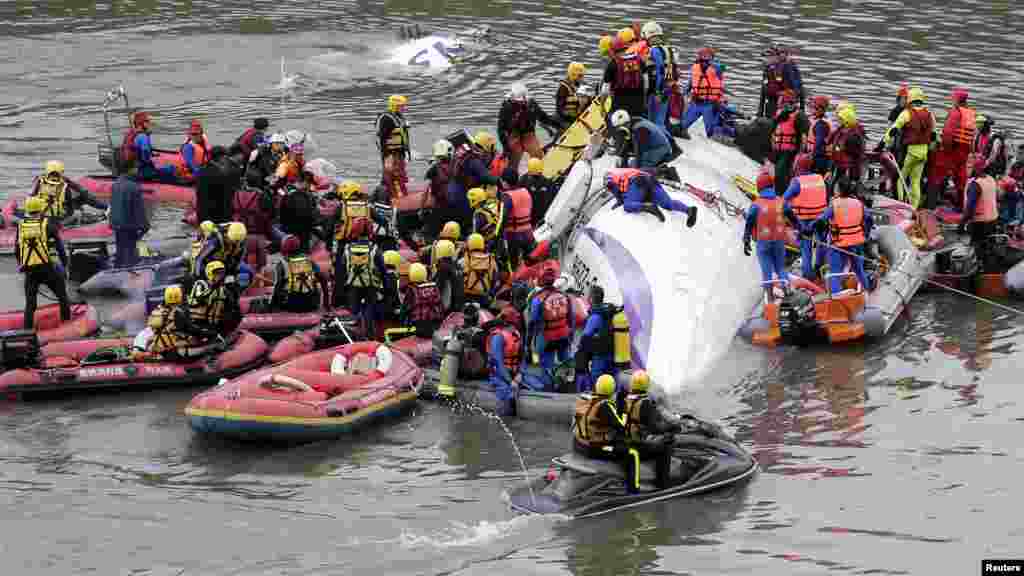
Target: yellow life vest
{"type": "Point", "coordinates": [166, 335]}
{"type": "Point", "coordinates": [300, 275]}
{"type": "Point", "coordinates": [33, 244]}
{"type": "Point", "coordinates": [206, 305]}
{"type": "Point", "coordinates": [478, 272]}
{"type": "Point", "coordinates": [590, 429]}
{"type": "Point", "coordinates": [571, 108]}
{"type": "Point", "coordinates": [54, 194]}
{"type": "Point", "coordinates": [361, 270]}
{"type": "Point", "coordinates": [634, 428]}
{"type": "Point", "coordinates": [398, 139]}
{"type": "Point", "coordinates": [354, 221]}
{"type": "Point", "coordinates": [493, 213]}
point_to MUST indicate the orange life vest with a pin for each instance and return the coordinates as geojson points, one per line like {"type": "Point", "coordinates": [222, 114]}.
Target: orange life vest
{"type": "Point", "coordinates": [985, 209]}
{"type": "Point", "coordinates": [200, 154]}
{"type": "Point", "coordinates": [920, 128]}
{"type": "Point", "coordinates": [812, 200]}
{"type": "Point", "coordinates": [964, 131]}
{"type": "Point", "coordinates": [556, 308]}
{"type": "Point", "coordinates": [847, 222]}
{"type": "Point", "coordinates": [522, 208]}
{"type": "Point", "coordinates": [629, 73]}
{"type": "Point", "coordinates": [837, 149]}
{"type": "Point", "coordinates": [511, 351]}
{"type": "Point", "coordinates": [784, 138]}
{"type": "Point", "coordinates": [621, 177]}
{"type": "Point", "coordinates": [771, 225]}
{"type": "Point", "coordinates": [706, 84]}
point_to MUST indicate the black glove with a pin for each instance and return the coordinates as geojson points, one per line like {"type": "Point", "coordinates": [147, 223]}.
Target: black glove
{"type": "Point", "coordinates": [746, 246]}
{"type": "Point", "coordinates": [878, 148]}
{"type": "Point", "coordinates": [691, 217]}
{"type": "Point", "coordinates": [962, 228]}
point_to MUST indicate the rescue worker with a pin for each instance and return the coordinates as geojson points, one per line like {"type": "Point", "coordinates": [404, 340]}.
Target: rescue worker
{"type": "Point", "coordinates": [289, 169]}
{"type": "Point", "coordinates": [847, 147]}
{"type": "Point", "coordinates": [488, 218]}
{"type": "Point", "coordinates": [517, 122]}
{"type": "Point", "coordinates": [421, 303]}
{"type": "Point", "coordinates": [981, 214]}
{"type": "Point", "coordinates": [706, 88]}
{"type": "Point", "coordinates": [127, 217]}
{"type": "Point", "coordinates": [596, 343]}
{"type": "Point", "coordinates": [624, 76]}
{"type": "Point", "coordinates": [604, 46]}
{"type": "Point", "coordinates": [663, 80]}
{"type": "Point", "coordinates": [541, 190]}
{"type": "Point", "coordinates": [438, 175]}
{"type": "Point", "coordinates": [352, 218]}
{"type": "Point", "coordinates": [395, 146]}
{"type": "Point", "coordinates": [437, 251]}
{"type": "Point", "coordinates": [137, 147]}
{"type": "Point", "coordinates": [480, 277]}
{"type": "Point", "coordinates": [850, 227]}
{"type": "Point", "coordinates": [599, 430]}
{"type": "Point", "coordinates": [644, 141]}
{"type": "Point", "coordinates": [639, 190]}
{"type": "Point", "coordinates": [299, 285]}
{"type": "Point", "coordinates": [990, 146]}
{"type": "Point", "coordinates": [263, 162]}
{"type": "Point", "coordinates": [916, 127]}
{"type": "Point", "coordinates": [504, 357]}
{"type": "Point", "coordinates": [787, 137]}
{"type": "Point", "coordinates": [807, 197]}
{"type": "Point", "coordinates": [766, 223]}
{"type": "Point", "coordinates": [226, 244]}
{"type": "Point", "coordinates": [954, 149]}
{"type": "Point", "coordinates": [649, 435]}
{"type": "Point", "coordinates": [41, 258]}
{"type": "Point", "coordinates": [901, 102]}
{"type": "Point", "coordinates": [551, 321]}
{"type": "Point", "coordinates": [299, 213]}
{"type": "Point", "coordinates": [391, 301]}
{"type": "Point", "coordinates": [816, 144]}
{"type": "Point", "coordinates": [212, 305]}
{"type": "Point", "coordinates": [781, 78]}
{"type": "Point", "coordinates": [170, 333]}
{"type": "Point", "coordinates": [254, 137]}
{"type": "Point", "coordinates": [517, 224]}
{"type": "Point", "coordinates": [1007, 200]}
{"type": "Point", "coordinates": [62, 196]}
{"type": "Point", "coordinates": [470, 170]}
{"type": "Point", "coordinates": [442, 262]}
{"type": "Point", "coordinates": [359, 281]}
{"type": "Point", "coordinates": [567, 103]}
{"type": "Point", "coordinates": [195, 151]}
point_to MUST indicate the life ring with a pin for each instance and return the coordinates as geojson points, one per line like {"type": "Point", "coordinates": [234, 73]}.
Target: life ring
{"type": "Point", "coordinates": [278, 381]}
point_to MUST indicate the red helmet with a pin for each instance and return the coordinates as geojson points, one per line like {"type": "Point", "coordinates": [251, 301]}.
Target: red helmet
{"type": "Point", "coordinates": [820, 102]}
{"type": "Point", "coordinates": [804, 163]}
{"type": "Point", "coordinates": [196, 129]}
{"type": "Point", "coordinates": [705, 54]}
{"type": "Point", "coordinates": [511, 316]}
{"type": "Point", "coordinates": [1008, 184]}
{"type": "Point", "coordinates": [765, 179]}
{"type": "Point", "coordinates": [550, 272]}
{"type": "Point", "coordinates": [959, 95]}
{"type": "Point", "coordinates": [904, 90]}
{"type": "Point", "coordinates": [140, 118]}
{"type": "Point", "coordinates": [289, 245]}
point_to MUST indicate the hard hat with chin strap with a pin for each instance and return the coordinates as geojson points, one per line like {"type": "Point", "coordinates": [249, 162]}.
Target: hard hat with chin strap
{"type": "Point", "coordinates": [475, 242]}
{"type": "Point", "coordinates": [396, 101]}
{"type": "Point", "coordinates": [620, 118]}
{"type": "Point", "coordinates": [417, 273]}
{"type": "Point", "coordinates": [605, 385]}
{"type": "Point", "coordinates": [172, 295]}
{"type": "Point", "coordinates": [640, 382]}
{"type": "Point", "coordinates": [443, 149]}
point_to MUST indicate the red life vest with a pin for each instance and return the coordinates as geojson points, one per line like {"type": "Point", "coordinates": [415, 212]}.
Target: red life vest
{"type": "Point", "coordinates": [498, 165]}
{"type": "Point", "coordinates": [985, 209]}
{"type": "Point", "coordinates": [847, 222]}
{"type": "Point", "coordinates": [426, 303]}
{"type": "Point", "coordinates": [706, 84]}
{"type": "Point", "coordinates": [963, 132]}
{"type": "Point", "coordinates": [784, 138]}
{"type": "Point", "coordinates": [522, 119]}
{"type": "Point", "coordinates": [837, 148]}
{"type": "Point", "coordinates": [522, 209]}
{"type": "Point", "coordinates": [920, 128]}
{"type": "Point", "coordinates": [439, 182]}
{"type": "Point", "coordinates": [556, 307]}
{"type": "Point", "coordinates": [628, 71]}
{"type": "Point", "coordinates": [812, 200]}
{"type": "Point", "coordinates": [511, 351]}
{"type": "Point", "coordinates": [770, 225]}
{"type": "Point", "coordinates": [620, 179]}
{"type": "Point", "coordinates": [246, 142]}
{"type": "Point", "coordinates": [128, 151]}
{"type": "Point", "coordinates": [812, 138]}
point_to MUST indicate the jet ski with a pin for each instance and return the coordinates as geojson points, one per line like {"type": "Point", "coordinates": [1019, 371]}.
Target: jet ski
{"type": "Point", "coordinates": [704, 458]}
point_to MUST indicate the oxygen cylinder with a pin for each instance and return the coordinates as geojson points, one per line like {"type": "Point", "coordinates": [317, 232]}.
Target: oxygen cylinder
{"type": "Point", "coordinates": [450, 367]}
{"type": "Point", "coordinates": [620, 341]}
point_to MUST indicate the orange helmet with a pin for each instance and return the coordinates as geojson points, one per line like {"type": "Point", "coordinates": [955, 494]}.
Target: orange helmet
{"type": "Point", "coordinates": [765, 179]}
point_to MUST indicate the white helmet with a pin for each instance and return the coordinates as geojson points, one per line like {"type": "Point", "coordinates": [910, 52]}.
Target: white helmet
{"type": "Point", "coordinates": [620, 118]}
{"type": "Point", "coordinates": [585, 91]}
{"type": "Point", "coordinates": [650, 30]}
{"type": "Point", "coordinates": [565, 283]}
{"type": "Point", "coordinates": [293, 137]}
{"type": "Point", "coordinates": [278, 138]}
{"type": "Point", "coordinates": [519, 92]}
{"type": "Point", "coordinates": [443, 149]}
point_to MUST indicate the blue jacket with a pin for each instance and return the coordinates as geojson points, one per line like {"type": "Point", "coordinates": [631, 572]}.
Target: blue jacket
{"type": "Point", "coordinates": [144, 150]}
{"type": "Point", "coordinates": [127, 208]}
{"type": "Point", "coordinates": [188, 154]}
{"type": "Point", "coordinates": [973, 193]}
{"type": "Point", "coordinates": [821, 131]}
{"type": "Point", "coordinates": [593, 327]}
{"type": "Point", "coordinates": [475, 169]}
{"type": "Point", "coordinates": [648, 136]}
{"type": "Point", "coordinates": [537, 322]}
{"type": "Point", "coordinates": [752, 212]}
{"type": "Point", "coordinates": [658, 56]}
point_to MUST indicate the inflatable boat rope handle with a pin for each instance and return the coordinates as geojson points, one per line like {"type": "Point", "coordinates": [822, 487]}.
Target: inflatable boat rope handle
{"type": "Point", "coordinates": [281, 381]}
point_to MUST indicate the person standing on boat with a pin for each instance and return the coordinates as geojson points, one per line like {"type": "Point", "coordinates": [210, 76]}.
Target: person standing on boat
{"type": "Point", "coordinates": [649, 434]}
{"type": "Point", "coordinates": [391, 294]}
{"type": "Point", "coordinates": [480, 275]}
{"type": "Point", "coordinates": [226, 244]}
{"type": "Point", "coordinates": [638, 190]}
{"type": "Point", "coordinates": [299, 214]}
{"type": "Point", "coordinates": [846, 146]}
{"type": "Point", "coordinates": [395, 146]}
{"type": "Point", "coordinates": [540, 188]}
{"type": "Point", "coordinates": [766, 223]}
{"type": "Point", "coordinates": [254, 137]}
{"type": "Point", "coordinates": [39, 246]}
{"type": "Point", "coordinates": [954, 149]}
{"type": "Point", "coordinates": [781, 78]}
{"type": "Point", "coordinates": [663, 75]}
{"type": "Point", "coordinates": [816, 144]}
{"type": "Point", "coordinates": [807, 198]}
{"type": "Point", "coordinates": [981, 213]}
{"type": "Point", "coordinates": [212, 188]}
{"type": "Point", "coordinates": [299, 286]}
{"type": "Point", "coordinates": [706, 87]}
{"type": "Point", "coordinates": [916, 127]}
{"type": "Point", "coordinates": [850, 227]}
{"type": "Point", "coordinates": [359, 279]}
{"type": "Point", "coordinates": [195, 152]}
{"type": "Point", "coordinates": [289, 169]}
{"type": "Point", "coordinates": [264, 160]}
{"type": "Point", "coordinates": [63, 196]}
{"type": "Point", "coordinates": [438, 175]}
{"type": "Point", "coordinates": [422, 309]}
{"type": "Point", "coordinates": [596, 343]}
{"type": "Point", "coordinates": [791, 125]}
{"type": "Point", "coordinates": [567, 102]}
{"type": "Point", "coordinates": [504, 357]}
{"type": "Point", "coordinates": [517, 125]}
{"type": "Point", "coordinates": [127, 216]}
{"type": "Point", "coordinates": [470, 170]}
{"type": "Point", "coordinates": [137, 147]}
{"type": "Point", "coordinates": [624, 76]}
{"type": "Point", "coordinates": [489, 220]}
{"type": "Point", "coordinates": [552, 320]}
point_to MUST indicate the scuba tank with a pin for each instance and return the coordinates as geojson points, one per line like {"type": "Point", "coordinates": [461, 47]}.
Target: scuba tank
{"type": "Point", "coordinates": [622, 356]}
{"type": "Point", "coordinates": [449, 372]}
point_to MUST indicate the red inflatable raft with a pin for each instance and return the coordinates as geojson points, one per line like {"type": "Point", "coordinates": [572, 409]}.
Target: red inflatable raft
{"type": "Point", "coordinates": [97, 364]}
{"type": "Point", "coordinates": [313, 397]}
{"type": "Point", "coordinates": [90, 231]}
{"type": "Point", "coordinates": [48, 327]}
{"type": "Point", "coordinates": [102, 187]}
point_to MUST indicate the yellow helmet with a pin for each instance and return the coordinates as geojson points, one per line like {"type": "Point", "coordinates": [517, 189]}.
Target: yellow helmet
{"type": "Point", "coordinates": [475, 242]}
{"type": "Point", "coordinates": [392, 259]}
{"type": "Point", "coordinates": [417, 273]}
{"type": "Point", "coordinates": [207, 227]}
{"type": "Point", "coordinates": [348, 188]}
{"type": "Point", "coordinates": [640, 382]}
{"type": "Point", "coordinates": [576, 70]}
{"type": "Point", "coordinates": [485, 140]}
{"type": "Point", "coordinates": [444, 249]}
{"type": "Point", "coordinates": [396, 101]}
{"type": "Point", "coordinates": [34, 205]}
{"type": "Point", "coordinates": [915, 94]}
{"type": "Point", "coordinates": [848, 115]}
{"type": "Point", "coordinates": [604, 45]}
{"type": "Point", "coordinates": [237, 232]}
{"type": "Point", "coordinates": [535, 166]}
{"type": "Point", "coordinates": [605, 385]}
{"type": "Point", "coordinates": [54, 166]}
{"type": "Point", "coordinates": [626, 35]}
{"type": "Point", "coordinates": [214, 267]}
{"type": "Point", "coordinates": [451, 231]}
{"type": "Point", "coordinates": [476, 197]}
{"type": "Point", "coordinates": [172, 294]}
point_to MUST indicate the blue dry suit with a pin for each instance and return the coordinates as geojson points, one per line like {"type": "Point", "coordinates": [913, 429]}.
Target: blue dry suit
{"type": "Point", "coordinates": [599, 363]}
{"type": "Point", "coordinates": [188, 154]}
{"type": "Point", "coordinates": [726, 123]}
{"type": "Point", "coordinates": [475, 169]}
{"type": "Point", "coordinates": [651, 143]}
{"type": "Point", "coordinates": [501, 378]}
{"type": "Point", "coordinates": [643, 189]}
{"type": "Point", "coordinates": [211, 246]}
{"type": "Point", "coordinates": [808, 265]}
{"type": "Point", "coordinates": [820, 153]}
{"type": "Point", "coordinates": [551, 353]}
{"type": "Point", "coordinates": [771, 254]}
{"type": "Point", "coordinates": [837, 260]}
{"type": "Point", "coordinates": [703, 108]}
{"type": "Point", "coordinates": [148, 170]}
{"type": "Point", "coordinates": [657, 102]}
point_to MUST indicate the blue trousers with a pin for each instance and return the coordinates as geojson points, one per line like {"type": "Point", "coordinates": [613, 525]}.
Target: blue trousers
{"type": "Point", "coordinates": [657, 111]}
{"type": "Point", "coordinates": [554, 354]}
{"type": "Point", "coordinates": [771, 255]}
{"type": "Point", "coordinates": [505, 394]}
{"type": "Point", "coordinates": [701, 109]}
{"type": "Point", "coordinates": [635, 195]}
{"type": "Point", "coordinates": [808, 268]}
{"type": "Point", "coordinates": [126, 242]}
{"type": "Point", "coordinates": [837, 264]}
